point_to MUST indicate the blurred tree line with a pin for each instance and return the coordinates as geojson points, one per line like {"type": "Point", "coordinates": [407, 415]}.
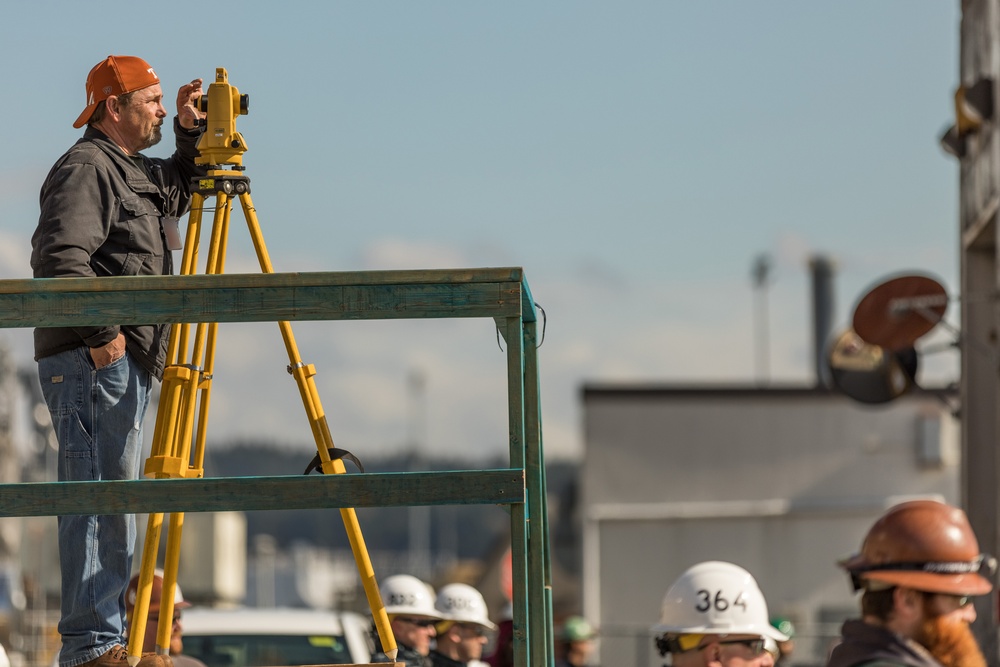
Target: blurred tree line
{"type": "Point", "coordinates": [464, 531]}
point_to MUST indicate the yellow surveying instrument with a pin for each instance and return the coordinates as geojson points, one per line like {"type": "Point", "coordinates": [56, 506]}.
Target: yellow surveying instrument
{"type": "Point", "coordinates": [187, 378]}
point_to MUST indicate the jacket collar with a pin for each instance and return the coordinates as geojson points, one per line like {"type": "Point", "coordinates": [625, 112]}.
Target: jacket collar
{"type": "Point", "coordinates": [133, 169]}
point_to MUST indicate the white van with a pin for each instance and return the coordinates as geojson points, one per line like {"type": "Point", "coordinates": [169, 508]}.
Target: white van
{"type": "Point", "coordinates": [248, 637]}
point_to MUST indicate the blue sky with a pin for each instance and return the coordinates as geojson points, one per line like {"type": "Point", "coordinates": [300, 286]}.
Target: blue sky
{"type": "Point", "coordinates": [634, 158]}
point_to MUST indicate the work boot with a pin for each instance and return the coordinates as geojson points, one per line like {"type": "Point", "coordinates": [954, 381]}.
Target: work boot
{"type": "Point", "coordinates": [118, 657]}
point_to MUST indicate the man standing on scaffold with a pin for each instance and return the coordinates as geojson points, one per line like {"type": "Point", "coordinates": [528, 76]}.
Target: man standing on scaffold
{"type": "Point", "coordinates": [108, 210]}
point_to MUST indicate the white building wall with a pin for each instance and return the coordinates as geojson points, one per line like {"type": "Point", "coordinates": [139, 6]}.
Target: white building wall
{"type": "Point", "coordinates": [782, 482]}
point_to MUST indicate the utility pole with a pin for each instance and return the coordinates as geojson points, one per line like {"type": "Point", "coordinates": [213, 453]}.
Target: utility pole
{"type": "Point", "coordinates": [975, 144]}
{"type": "Point", "coordinates": [760, 275]}
{"type": "Point", "coordinates": [420, 515]}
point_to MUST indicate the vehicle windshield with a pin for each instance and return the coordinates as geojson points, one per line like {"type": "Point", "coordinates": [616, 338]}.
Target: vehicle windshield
{"type": "Point", "coordinates": [267, 650]}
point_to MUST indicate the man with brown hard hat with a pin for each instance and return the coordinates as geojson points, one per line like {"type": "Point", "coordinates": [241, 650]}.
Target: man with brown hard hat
{"type": "Point", "coordinates": [918, 567]}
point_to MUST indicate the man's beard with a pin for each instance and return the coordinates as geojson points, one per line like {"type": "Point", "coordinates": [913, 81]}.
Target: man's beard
{"type": "Point", "coordinates": [152, 138]}
{"type": "Point", "coordinates": [951, 642]}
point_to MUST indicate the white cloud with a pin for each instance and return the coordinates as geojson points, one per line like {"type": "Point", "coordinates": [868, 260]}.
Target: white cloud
{"type": "Point", "coordinates": [396, 253]}
{"type": "Point", "coordinates": [15, 251]}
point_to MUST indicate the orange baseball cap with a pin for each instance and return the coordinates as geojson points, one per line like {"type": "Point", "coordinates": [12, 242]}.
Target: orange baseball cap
{"type": "Point", "coordinates": [115, 75]}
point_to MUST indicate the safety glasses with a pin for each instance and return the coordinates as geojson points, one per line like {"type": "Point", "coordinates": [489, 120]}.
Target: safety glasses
{"type": "Point", "coordinates": [952, 601]}
{"type": "Point", "coordinates": [471, 630]}
{"type": "Point", "coordinates": [419, 622]}
{"type": "Point", "coordinates": [756, 646]}
{"type": "Point", "coordinates": [154, 618]}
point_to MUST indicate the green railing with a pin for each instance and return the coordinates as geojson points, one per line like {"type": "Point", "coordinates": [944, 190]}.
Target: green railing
{"type": "Point", "coordinates": [498, 293]}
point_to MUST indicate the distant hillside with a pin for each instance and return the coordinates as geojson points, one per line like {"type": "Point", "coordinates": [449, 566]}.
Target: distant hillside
{"type": "Point", "coordinates": [467, 531]}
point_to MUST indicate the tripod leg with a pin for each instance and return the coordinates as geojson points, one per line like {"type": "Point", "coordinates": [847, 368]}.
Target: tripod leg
{"type": "Point", "coordinates": [174, 376]}
{"type": "Point", "coordinates": [204, 346]}
{"type": "Point", "coordinates": [137, 623]}
{"type": "Point", "coordinates": [172, 437]}
{"type": "Point", "coordinates": [198, 386]}
{"type": "Point", "coordinates": [166, 625]}
{"type": "Point", "coordinates": [163, 435]}
{"type": "Point", "coordinates": [303, 375]}
{"type": "Point", "coordinates": [171, 451]}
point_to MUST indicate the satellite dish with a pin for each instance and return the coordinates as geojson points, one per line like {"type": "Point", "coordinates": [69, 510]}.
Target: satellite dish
{"type": "Point", "coordinates": [895, 313]}
{"type": "Point", "coordinates": [870, 373]}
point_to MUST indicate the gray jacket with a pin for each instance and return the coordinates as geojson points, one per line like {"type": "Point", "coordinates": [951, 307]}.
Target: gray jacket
{"type": "Point", "coordinates": [864, 644]}
{"type": "Point", "coordinates": [102, 214]}
{"type": "Point", "coordinates": [405, 655]}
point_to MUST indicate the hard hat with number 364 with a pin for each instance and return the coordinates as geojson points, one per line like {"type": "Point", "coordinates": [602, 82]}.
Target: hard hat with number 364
{"type": "Point", "coordinates": [716, 598]}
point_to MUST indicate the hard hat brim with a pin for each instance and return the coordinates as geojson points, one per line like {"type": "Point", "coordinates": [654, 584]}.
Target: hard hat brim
{"type": "Point", "coordinates": [408, 612]}
{"type": "Point", "coordinates": [477, 620]}
{"type": "Point", "coordinates": [933, 582]}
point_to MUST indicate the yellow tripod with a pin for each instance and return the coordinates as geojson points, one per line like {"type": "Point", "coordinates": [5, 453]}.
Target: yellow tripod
{"type": "Point", "coordinates": [187, 379]}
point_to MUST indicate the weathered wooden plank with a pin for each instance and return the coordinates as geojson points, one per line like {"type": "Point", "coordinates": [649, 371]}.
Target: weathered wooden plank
{"type": "Point", "coordinates": [301, 279]}
{"type": "Point", "coordinates": [216, 494]}
{"type": "Point", "coordinates": [256, 298]}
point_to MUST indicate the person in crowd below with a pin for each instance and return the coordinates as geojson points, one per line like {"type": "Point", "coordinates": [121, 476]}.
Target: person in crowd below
{"type": "Point", "coordinates": [785, 649]}
{"type": "Point", "coordinates": [108, 210]}
{"type": "Point", "coordinates": [462, 635]}
{"type": "Point", "coordinates": [409, 604]}
{"type": "Point", "coordinates": [714, 615]}
{"type": "Point", "coordinates": [771, 647]}
{"type": "Point", "coordinates": [917, 571]}
{"type": "Point", "coordinates": [574, 642]}
{"type": "Point", "coordinates": [176, 649]}
{"type": "Point", "coordinates": [503, 648]}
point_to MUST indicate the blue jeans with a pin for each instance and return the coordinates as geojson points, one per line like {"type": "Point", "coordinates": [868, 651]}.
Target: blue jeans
{"type": "Point", "coordinates": [97, 415]}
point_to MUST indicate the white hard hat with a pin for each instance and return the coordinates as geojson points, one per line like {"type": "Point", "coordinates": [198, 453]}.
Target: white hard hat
{"type": "Point", "coordinates": [405, 594]}
{"type": "Point", "coordinates": [716, 598]}
{"type": "Point", "coordinates": [464, 604]}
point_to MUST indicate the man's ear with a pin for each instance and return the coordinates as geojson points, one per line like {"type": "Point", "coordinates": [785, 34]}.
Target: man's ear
{"type": "Point", "coordinates": [113, 106]}
{"type": "Point", "coordinates": [713, 654]}
{"type": "Point", "coordinates": [907, 602]}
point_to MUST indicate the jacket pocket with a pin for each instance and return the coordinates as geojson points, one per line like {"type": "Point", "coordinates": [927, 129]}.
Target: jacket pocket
{"type": "Point", "coordinates": [132, 264]}
{"type": "Point", "coordinates": [135, 206]}
{"type": "Point", "coordinates": [139, 242]}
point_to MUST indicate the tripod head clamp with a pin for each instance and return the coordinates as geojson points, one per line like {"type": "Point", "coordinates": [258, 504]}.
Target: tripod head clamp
{"type": "Point", "coordinates": [221, 144]}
